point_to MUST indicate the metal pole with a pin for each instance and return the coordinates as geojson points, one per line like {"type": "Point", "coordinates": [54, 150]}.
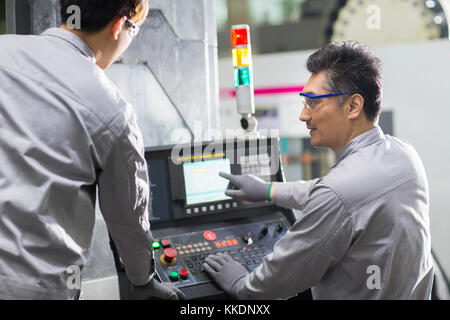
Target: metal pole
{"type": "Point", "coordinates": [10, 13]}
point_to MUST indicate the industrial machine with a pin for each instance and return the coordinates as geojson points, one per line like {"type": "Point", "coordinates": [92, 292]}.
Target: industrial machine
{"type": "Point", "coordinates": [191, 217]}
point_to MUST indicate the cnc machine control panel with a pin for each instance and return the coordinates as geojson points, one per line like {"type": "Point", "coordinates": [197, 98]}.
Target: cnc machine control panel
{"type": "Point", "coordinates": [192, 217]}
{"type": "Point", "coordinates": [180, 257]}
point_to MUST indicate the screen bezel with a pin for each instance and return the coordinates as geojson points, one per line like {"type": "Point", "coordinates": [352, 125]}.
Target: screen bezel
{"type": "Point", "coordinates": [177, 188]}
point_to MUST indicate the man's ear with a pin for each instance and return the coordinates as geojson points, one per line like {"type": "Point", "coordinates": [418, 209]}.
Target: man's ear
{"type": "Point", "coordinates": [117, 26]}
{"type": "Point", "coordinates": [356, 103]}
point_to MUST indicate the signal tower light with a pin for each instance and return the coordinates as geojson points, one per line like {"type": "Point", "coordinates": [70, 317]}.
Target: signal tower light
{"type": "Point", "coordinates": [243, 75]}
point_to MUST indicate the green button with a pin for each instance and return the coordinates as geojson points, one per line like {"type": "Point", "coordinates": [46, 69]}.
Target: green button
{"type": "Point", "coordinates": [156, 245]}
{"type": "Point", "coordinates": [173, 275]}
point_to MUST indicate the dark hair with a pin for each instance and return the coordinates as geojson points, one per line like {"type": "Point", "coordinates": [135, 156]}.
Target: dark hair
{"type": "Point", "coordinates": [96, 14]}
{"type": "Point", "coordinates": [351, 67]}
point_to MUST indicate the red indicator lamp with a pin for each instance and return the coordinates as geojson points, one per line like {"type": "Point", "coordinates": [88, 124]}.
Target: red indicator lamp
{"type": "Point", "coordinates": [240, 36]}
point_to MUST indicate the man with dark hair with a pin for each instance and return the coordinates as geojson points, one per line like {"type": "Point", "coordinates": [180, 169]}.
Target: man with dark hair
{"type": "Point", "coordinates": [364, 233]}
{"type": "Point", "coordinates": [66, 131]}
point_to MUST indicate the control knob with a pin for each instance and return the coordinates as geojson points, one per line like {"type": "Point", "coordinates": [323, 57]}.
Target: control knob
{"type": "Point", "coordinates": [279, 227]}
{"type": "Point", "coordinates": [248, 239]}
{"type": "Point", "coordinates": [263, 233]}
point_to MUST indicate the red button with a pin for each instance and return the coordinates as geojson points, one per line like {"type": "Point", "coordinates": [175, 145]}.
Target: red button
{"type": "Point", "coordinates": [170, 254]}
{"type": "Point", "coordinates": [165, 243]}
{"type": "Point", "coordinates": [209, 235]}
{"type": "Point", "coordinates": [184, 273]}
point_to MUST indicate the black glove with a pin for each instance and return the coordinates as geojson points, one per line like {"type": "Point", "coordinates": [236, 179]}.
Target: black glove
{"type": "Point", "coordinates": [251, 188]}
{"type": "Point", "coordinates": [227, 273]}
{"type": "Point", "coordinates": [158, 290]}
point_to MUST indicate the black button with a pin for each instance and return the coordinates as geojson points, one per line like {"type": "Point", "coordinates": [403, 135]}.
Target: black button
{"type": "Point", "coordinates": [264, 230]}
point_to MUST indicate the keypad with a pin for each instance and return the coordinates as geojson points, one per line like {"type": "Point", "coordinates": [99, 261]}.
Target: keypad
{"type": "Point", "coordinates": [193, 248]}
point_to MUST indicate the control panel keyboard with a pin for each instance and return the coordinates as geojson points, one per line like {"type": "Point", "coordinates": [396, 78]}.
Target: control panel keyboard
{"type": "Point", "coordinates": [179, 258]}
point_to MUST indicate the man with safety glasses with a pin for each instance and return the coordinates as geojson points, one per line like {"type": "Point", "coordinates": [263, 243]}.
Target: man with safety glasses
{"type": "Point", "coordinates": [365, 229]}
{"type": "Point", "coordinates": [65, 133]}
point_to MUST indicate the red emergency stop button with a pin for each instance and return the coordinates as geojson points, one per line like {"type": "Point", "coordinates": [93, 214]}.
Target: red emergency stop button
{"type": "Point", "coordinates": [209, 235]}
{"type": "Point", "coordinates": [184, 274]}
{"type": "Point", "coordinates": [170, 254]}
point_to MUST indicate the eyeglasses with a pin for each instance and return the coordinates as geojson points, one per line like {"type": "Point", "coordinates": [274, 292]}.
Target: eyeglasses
{"type": "Point", "coordinates": [134, 28]}
{"type": "Point", "coordinates": [312, 100]}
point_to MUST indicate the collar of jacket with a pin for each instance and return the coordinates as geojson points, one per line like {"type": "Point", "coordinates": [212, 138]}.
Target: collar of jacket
{"type": "Point", "coordinates": [73, 40]}
{"type": "Point", "coordinates": [363, 140]}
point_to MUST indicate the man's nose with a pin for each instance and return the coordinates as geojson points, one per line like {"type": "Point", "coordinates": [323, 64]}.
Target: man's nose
{"type": "Point", "coordinates": [305, 115]}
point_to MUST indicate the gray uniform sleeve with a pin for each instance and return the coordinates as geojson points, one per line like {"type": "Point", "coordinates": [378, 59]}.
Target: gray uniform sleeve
{"type": "Point", "coordinates": [314, 243]}
{"type": "Point", "coordinates": [293, 195]}
{"type": "Point", "coordinates": [123, 195]}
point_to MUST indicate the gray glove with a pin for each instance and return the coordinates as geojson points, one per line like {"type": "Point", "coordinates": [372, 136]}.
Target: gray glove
{"type": "Point", "coordinates": [227, 273]}
{"type": "Point", "coordinates": [158, 290]}
{"type": "Point", "coordinates": [251, 188]}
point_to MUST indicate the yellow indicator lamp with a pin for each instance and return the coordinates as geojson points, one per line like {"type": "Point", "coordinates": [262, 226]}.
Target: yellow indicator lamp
{"type": "Point", "coordinates": [241, 57]}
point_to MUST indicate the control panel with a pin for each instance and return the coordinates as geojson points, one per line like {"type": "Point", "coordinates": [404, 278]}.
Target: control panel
{"type": "Point", "coordinates": [179, 258]}
{"type": "Point", "coordinates": [191, 217]}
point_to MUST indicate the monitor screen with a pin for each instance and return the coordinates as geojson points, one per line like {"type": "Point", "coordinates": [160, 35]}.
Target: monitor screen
{"type": "Point", "coordinates": [203, 183]}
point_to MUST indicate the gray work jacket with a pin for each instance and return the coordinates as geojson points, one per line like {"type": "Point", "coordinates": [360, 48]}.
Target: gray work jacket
{"type": "Point", "coordinates": [365, 230]}
{"type": "Point", "coordinates": [64, 130]}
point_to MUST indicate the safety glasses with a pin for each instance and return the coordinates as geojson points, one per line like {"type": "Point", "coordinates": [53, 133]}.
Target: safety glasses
{"type": "Point", "coordinates": [311, 101]}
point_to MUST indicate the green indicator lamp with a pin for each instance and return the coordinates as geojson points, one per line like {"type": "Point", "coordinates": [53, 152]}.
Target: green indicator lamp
{"type": "Point", "coordinates": [241, 77]}
{"type": "Point", "coordinates": [156, 245]}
